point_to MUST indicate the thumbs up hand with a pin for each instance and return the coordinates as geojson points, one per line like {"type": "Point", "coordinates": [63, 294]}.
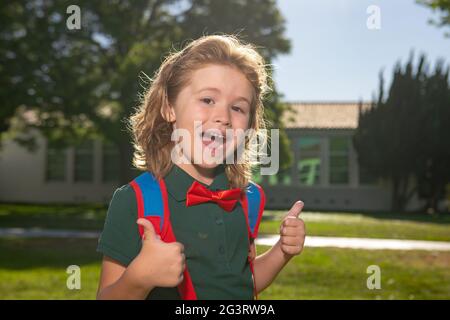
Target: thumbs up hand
{"type": "Point", "coordinates": [292, 231]}
{"type": "Point", "coordinates": [158, 264]}
{"type": "Point", "coordinates": [149, 230]}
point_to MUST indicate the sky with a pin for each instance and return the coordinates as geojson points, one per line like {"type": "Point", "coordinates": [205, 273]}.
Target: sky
{"type": "Point", "coordinates": [336, 57]}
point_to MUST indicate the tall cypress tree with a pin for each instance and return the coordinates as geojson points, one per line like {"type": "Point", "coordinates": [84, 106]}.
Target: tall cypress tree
{"type": "Point", "coordinates": [433, 166]}
{"type": "Point", "coordinates": [403, 138]}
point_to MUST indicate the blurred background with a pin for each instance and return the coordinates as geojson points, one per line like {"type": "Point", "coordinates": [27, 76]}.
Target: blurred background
{"type": "Point", "coordinates": [361, 96]}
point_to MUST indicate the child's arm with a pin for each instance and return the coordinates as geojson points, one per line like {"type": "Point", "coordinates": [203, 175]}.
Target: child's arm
{"type": "Point", "coordinates": [292, 237]}
{"type": "Point", "coordinates": [158, 264]}
{"type": "Point", "coordinates": [116, 283]}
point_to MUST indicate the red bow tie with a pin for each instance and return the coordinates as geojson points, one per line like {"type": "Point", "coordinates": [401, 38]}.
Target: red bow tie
{"type": "Point", "coordinates": [226, 199]}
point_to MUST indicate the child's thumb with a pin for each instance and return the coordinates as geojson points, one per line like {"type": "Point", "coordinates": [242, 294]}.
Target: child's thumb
{"type": "Point", "coordinates": [149, 230]}
{"type": "Point", "coordinates": [296, 209]}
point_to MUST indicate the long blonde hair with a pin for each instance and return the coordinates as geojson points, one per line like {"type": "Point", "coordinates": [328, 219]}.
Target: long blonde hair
{"type": "Point", "coordinates": [152, 133]}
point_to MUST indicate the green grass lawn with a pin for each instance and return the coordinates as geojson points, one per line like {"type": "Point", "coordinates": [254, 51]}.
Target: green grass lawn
{"type": "Point", "coordinates": [372, 225]}
{"type": "Point", "coordinates": [36, 269]}
{"type": "Point", "coordinates": [83, 217]}
{"type": "Point", "coordinates": [375, 225]}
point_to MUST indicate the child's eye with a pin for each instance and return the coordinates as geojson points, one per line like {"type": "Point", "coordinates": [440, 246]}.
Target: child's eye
{"type": "Point", "coordinates": [239, 109]}
{"type": "Point", "coordinates": [207, 100]}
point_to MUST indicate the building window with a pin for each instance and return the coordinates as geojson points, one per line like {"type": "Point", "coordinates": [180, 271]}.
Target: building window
{"type": "Point", "coordinates": [84, 162]}
{"type": "Point", "coordinates": [308, 165]}
{"type": "Point", "coordinates": [56, 164]}
{"type": "Point", "coordinates": [339, 160]}
{"type": "Point", "coordinates": [283, 177]}
{"type": "Point", "coordinates": [110, 162]}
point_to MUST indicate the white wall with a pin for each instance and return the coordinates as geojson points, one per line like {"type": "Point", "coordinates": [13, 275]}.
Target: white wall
{"type": "Point", "coordinates": [22, 177]}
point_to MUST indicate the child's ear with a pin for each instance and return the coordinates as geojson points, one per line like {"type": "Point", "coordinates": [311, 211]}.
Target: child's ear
{"type": "Point", "coordinates": [168, 113]}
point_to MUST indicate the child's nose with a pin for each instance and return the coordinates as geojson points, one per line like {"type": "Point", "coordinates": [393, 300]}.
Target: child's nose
{"type": "Point", "coordinates": [222, 115]}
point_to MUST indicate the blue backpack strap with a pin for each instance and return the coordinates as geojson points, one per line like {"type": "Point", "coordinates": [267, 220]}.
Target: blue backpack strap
{"type": "Point", "coordinates": [256, 201]}
{"type": "Point", "coordinates": [149, 200]}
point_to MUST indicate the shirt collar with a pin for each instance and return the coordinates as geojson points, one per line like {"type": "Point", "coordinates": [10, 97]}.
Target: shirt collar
{"type": "Point", "coordinates": [179, 181]}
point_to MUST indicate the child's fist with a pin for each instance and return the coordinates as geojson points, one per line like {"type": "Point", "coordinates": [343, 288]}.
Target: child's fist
{"type": "Point", "coordinates": [292, 231]}
{"type": "Point", "coordinates": [159, 264]}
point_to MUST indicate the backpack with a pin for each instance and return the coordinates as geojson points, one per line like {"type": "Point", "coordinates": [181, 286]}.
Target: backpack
{"type": "Point", "coordinates": [152, 204]}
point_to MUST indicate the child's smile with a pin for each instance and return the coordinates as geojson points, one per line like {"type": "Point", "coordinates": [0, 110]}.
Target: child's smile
{"type": "Point", "coordinates": [213, 140]}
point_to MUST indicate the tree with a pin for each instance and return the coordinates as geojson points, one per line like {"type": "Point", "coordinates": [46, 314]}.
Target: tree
{"type": "Point", "coordinates": [47, 68]}
{"type": "Point", "coordinates": [401, 138]}
{"type": "Point", "coordinates": [88, 79]}
{"type": "Point", "coordinates": [443, 7]}
{"type": "Point", "coordinates": [433, 172]}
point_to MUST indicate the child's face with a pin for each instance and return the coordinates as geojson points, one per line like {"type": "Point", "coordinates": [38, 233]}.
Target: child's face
{"type": "Point", "coordinates": [217, 99]}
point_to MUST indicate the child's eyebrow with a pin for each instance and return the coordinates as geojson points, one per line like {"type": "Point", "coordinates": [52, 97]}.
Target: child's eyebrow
{"type": "Point", "coordinates": [208, 88]}
{"type": "Point", "coordinates": [217, 90]}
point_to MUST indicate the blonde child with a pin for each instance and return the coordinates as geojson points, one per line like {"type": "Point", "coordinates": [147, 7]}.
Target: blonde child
{"type": "Point", "coordinates": [214, 85]}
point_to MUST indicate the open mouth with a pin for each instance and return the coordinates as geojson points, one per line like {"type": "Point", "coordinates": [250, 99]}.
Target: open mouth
{"type": "Point", "coordinates": [213, 139]}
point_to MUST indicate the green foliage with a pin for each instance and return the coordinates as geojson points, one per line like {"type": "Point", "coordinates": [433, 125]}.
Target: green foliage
{"type": "Point", "coordinates": [433, 174]}
{"type": "Point", "coordinates": [441, 6]}
{"type": "Point", "coordinates": [414, 226]}
{"type": "Point", "coordinates": [404, 138]}
{"type": "Point", "coordinates": [45, 67]}
{"type": "Point", "coordinates": [84, 83]}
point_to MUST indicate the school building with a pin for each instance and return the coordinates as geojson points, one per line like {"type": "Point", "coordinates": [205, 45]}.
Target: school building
{"type": "Point", "coordinates": [325, 172]}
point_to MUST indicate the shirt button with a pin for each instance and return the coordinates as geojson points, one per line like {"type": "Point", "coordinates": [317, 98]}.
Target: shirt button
{"type": "Point", "coordinates": [221, 249]}
{"type": "Point", "coordinates": [219, 221]}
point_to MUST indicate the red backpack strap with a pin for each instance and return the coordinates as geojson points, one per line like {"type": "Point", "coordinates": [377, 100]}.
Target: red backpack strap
{"type": "Point", "coordinates": [253, 203]}
{"type": "Point", "coordinates": [153, 205]}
